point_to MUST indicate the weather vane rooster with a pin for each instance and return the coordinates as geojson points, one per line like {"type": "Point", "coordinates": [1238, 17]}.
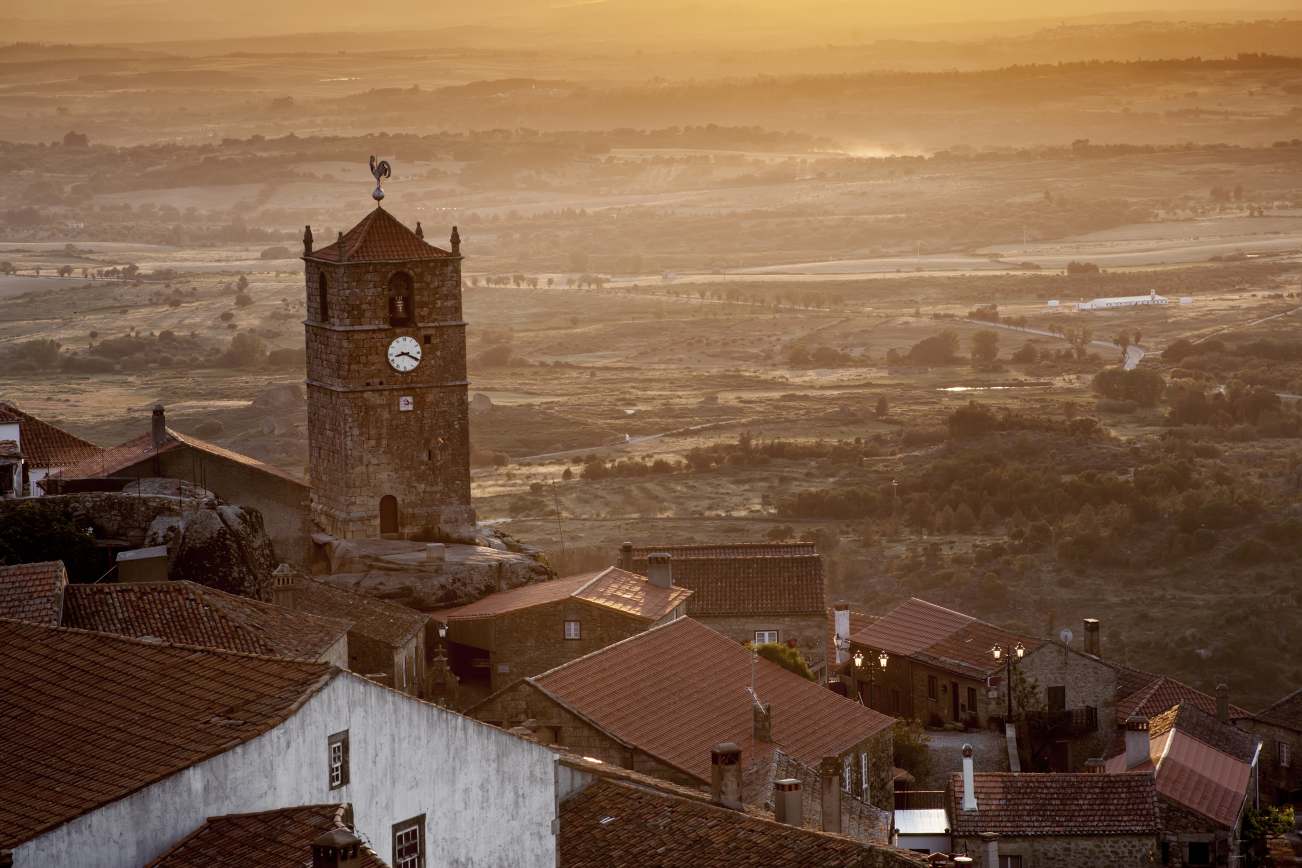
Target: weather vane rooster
{"type": "Point", "coordinates": [381, 171]}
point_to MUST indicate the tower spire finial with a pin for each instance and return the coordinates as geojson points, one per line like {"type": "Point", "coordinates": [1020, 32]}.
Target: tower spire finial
{"type": "Point", "coordinates": [380, 169]}
{"type": "Point", "coordinates": [307, 240]}
{"type": "Point", "coordinates": [456, 242]}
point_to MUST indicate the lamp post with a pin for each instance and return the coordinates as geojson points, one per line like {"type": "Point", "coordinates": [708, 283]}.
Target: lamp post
{"type": "Point", "coordinates": [1018, 652]}
{"type": "Point", "coordinates": [882, 659]}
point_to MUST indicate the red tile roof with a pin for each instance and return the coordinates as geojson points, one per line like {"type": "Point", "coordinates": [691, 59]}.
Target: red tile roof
{"type": "Point", "coordinates": [90, 718]}
{"type": "Point", "coordinates": [1162, 693]}
{"type": "Point", "coordinates": [676, 691]}
{"type": "Point", "coordinates": [379, 237]}
{"type": "Point", "coordinates": [43, 446]}
{"type": "Point", "coordinates": [185, 613]}
{"type": "Point", "coordinates": [1055, 804]}
{"type": "Point", "coordinates": [1195, 722]}
{"type": "Point", "coordinates": [268, 839]}
{"type": "Point", "coordinates": [33, 592]}
{"type": "Point", "coordinates": [615, 823]}
{"type": "Point", "coordinates": [390, 624]}
{"type": "Point", "coordinates": [115, 459]}
{"type": "Point", "coordinates": [1286, 713]}
{"type": "Point", "coordinates": [941, 638]}
{"type": "Point", "coordinates": [745, 579]}
{"type": "Point", "coordinates": [611, 588]}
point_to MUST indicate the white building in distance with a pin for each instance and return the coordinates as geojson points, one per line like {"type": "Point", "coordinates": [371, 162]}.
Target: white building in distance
{"type": "Point", "coordinates": [1122, 301]}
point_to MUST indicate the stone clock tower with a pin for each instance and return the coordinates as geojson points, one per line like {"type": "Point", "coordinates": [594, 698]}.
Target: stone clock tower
{"type": "Point", "coordinates": [388, 417]}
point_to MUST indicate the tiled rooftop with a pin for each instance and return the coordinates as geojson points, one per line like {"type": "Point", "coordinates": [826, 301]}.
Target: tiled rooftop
{"type": "Point", "coordinates": [185, 613]}
{"type": "Point", "coordinates": [940, 637]}
{"type": "Point", "coordinates": [379, 237]}
{"type": "Point", "coordinates": [612, 588]}
{"type": "Point", "coordinates": [780, 579]}
{"type": "Point", "coordinates": [1286, 713]}
{"type": "Point", "coordinates": [1193, 721]}
{"type": "Point", "coordinates": [1160, 694]}
{"type": "Point", "coordinates": [389, 623]}
{"type": "Point", "coordinates": [676, 691]}
{"type": "Point", "coordinates": [115, 459]}
{"type": "Point", "coordinates": [90, 718]}
{"type": "Point", "coordinates": [269, 839]}
{"type": "Point", "coordinates": [43, 445]}
{"type": "Point", "coordinates": [1055, 804]}
{"type": "Point", "coordinates": [33, 592]}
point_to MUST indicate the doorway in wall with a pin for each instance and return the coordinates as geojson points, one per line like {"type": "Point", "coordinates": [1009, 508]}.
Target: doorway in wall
{"type": "Point", "coordinates": [388, 514]}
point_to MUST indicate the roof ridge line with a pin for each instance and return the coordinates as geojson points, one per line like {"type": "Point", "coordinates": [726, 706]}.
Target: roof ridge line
{"type": "Point", "coordinates": [589, 583]}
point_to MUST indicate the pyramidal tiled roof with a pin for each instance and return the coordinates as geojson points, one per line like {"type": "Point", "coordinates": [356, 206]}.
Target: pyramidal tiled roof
{"type": "Point", "coordinates": [379, 237]}
{"type": "Point", "coordinates": [44, 446]}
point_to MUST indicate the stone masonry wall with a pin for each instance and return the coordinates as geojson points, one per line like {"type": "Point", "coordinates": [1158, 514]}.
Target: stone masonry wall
{"type": "Point", "coordinates": [809, 631]}
{"type": "Point", "coordinates": [1277, 781]}
{"type": "Point", "coordinates": [1062, 851]}
{"type": "Point", "coordinates": [1089, 682]}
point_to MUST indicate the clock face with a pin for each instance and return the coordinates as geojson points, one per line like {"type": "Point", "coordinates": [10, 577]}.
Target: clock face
{"type": "Point", "coordinates": [404, 354]}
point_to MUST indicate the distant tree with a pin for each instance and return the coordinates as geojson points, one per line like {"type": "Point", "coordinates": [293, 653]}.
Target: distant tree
{"type": "Point", "coordinates": [1123, 341]}
{"type": "Point", "coordinates": [65, 271]}
{"type": "Point", "coordinates": [965, 519]}
{"type": "Point", "coordinates": [242, 284]}
{"type": "Point", "coordinates": [787, 657]}
{"type": "Point", "coordinates": [76, 140]}
{"type": "Point", "coordinates": [1028, 354]}
{"type": "Point", "coordinates": [912, 748]}
{"type": "Point", "coordinates": [7, 267]}
{"type": "Point", "coordinates": [940, 349]}
{"type": "Point", "coordinates": [1143, 386]}
{"type": "Point", "coordinates": [882, 408]}
{"type": "Point", "coordinates": [243, 299]}
{"type": "Point", "coordinates": [985, 346]}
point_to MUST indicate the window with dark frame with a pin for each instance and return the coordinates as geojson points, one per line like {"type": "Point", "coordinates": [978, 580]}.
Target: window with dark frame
{"type": "Point", "coordinates": [1056, 697]}
{"type": "Point", "coordinates": [1198, 853]}
{"type": "Point", "coordinates": [971, 700]}
{"type": "Point", "coordinates": [338, 747]}
{"type": "Point", "coordinates": [409, 843]}
{"type": "Point", "coordinates": [933, 687]}
{"type": "Point", "coordinates": [573, 630]}
{"type": "Point", "coordinates": [1010, 861]}
{"type": "Point", "coordinates": [1284, 751]}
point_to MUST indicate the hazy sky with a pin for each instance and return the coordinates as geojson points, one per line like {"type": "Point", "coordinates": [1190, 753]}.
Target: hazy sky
{"type": "Point", "coordinates": [638, 20]}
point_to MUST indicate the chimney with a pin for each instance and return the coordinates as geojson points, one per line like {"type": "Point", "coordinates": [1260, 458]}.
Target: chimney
{"type": "Point", "coordinates": [725, 775]}
{"type": "Point", "coordinates": [991, 840]}
{"type": "Point", "coordinates": [1223, 702]}
{"type": "Point", "coordinates": [660, 569]}
{"type": "Point", "coordinates": [829, 781]}
{"type": "Point", "coordinates": [763, 716]}
{"type": "Point", "coordinates": [787, 804]}
{"type": "Point", "coordinates": [282, 586]}
{"type": "Point", "coordinates": [338, 848]}
{"type": "Point", "coordinates": [841, 623]}
{"type": "Point", "coordinates": [1095, 765]}
{"type": "Point", "coordinates": [1136, 741]}
{"type": "Point", "coordinates": [626, 556]}
{"type": "Point", "coordinates": [420, 233]}
{"type": "Point", "coordinates": [159, 426]}
{"type": "Point", "coordinates": [969, 782]}
{"type": "Point", "coordinates": [1092, 636]}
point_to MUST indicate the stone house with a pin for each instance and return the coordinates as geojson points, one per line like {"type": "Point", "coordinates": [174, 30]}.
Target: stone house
{"type": "Point", "coordinates": [659, 701]}
{"type": "Point", "coordinates": [281, 498]}
{"type": "Point", "coordinates": [165, 737]}
{"type": "Point", "coordinates": [503, 637]}
{"type": "Point", "coordinates": [386, 641]}
{"type": "Point", "coordinates": [940, 667]}
{"type": "Point", "coordinates": [271, 838]}
{"type": "Point", "coordinates": [1206, 779]}
{"type": "Point", "coordinates": [1279, 728]}
{"type": "Point", "coordinates": [753, 593]}
{"type": "Point", "coordinates": [31, 450]}
{"type": "Point", "coordinates": [1053, 820]}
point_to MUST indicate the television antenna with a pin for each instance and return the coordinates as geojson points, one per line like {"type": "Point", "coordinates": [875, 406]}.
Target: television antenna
{"type": "Point", "coordinates": [1066, 635]}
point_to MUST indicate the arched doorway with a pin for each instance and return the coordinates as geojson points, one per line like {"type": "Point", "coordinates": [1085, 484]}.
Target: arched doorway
{"type": "Point", "coordinates": [388, 514]}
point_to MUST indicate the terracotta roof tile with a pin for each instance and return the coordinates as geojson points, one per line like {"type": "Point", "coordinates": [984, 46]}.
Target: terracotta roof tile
{"type": "Point", "coordinates": [1286, 713]}
{"type": "Point", "coordinates": [388, 623]}
{"type": "Point", "coordinates": [44, 446]}
{"type": "Point", "coordinates": [1055, 804]}
{"type": "Point", "coordinates": [186, 613]}
{"type": "Point", "coordinates": [676, 691]}
{"type": "Point", "coordinates": [1195, 722]}
{"type": "Point", "coordinates": [268, 839]}
{"type": "Point", "coordinates": [115, 459]}
{"type": "Point", "coordinates": [33, 592]}
{"type": "Point", "coordinates": [616, 823]}
{"type": "Point", "coordinates": [379, 237]}
{"type": "Point", "coordinates": [745, 579]}
{"type": "Point", "coordinates": [940, 637]}
{"type": "Point", "coordinates": [612, 588]}
{"type": "Point", "coordinates": [90, 718]}
{"type": "Point", "coordinates": [1163, 693]}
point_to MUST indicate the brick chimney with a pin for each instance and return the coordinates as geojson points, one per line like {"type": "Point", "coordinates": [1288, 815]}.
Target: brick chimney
{"type": "Point", "coordinates": [763, 717]}
{"type": "Point", "coordinates": [660, 570]}
{"type": "Point", "coordinates": [725, 775]}
{"type": "Point", "coordinates": [788, 806]}
{"type": "Point", "coordinates": [1223, 702]}
{"type": "Point", "coordinates": [1095, 765]}
{"type": "Point", "coordinates": [829, 783]}
{"type": "Point", "coordinates": [338, 848]}
{"type": "Point", "coordinates": [159, 426]}
{"type": "Point", "coordinates": [1136, 741]}
{"type": "Point", "coordinates": [969, 781]}
{"type": "Point", "coordinates": [626, 556]}
{"type": "Point", "coordinates": [1092, 645]}
{"type": "Point", "coordinates": [282, 586]}
{"type": "Point", "coordinates": [841, 624]}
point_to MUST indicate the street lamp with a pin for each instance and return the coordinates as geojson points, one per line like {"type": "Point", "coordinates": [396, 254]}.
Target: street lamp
{"type": "Point", "coordinates": [882, 659]}
{"type": "Point", "coordinates": [1018, 652]}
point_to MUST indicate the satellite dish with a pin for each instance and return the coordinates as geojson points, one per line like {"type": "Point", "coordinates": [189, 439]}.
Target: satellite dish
{"type": "Point", "coordinates": [1066, 635]}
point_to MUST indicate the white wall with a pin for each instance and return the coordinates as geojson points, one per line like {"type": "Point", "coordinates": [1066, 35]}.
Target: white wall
{"type": "Point", "coordinates": [34, 477]}
{"type": "Point", "coordinates": [489, 797]}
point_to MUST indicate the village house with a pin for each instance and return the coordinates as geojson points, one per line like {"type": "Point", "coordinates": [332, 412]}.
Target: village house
{"type": "Point", "coordinates": [182, 613]}
{"type": "Point", "coordinates": [321, 836]}
{"type": "Point", "coordinates": [122, 748]}
{"type": "Point", "coordinates": [1052, 820]}
{"type": "Point", "coordinates": [386, 641]}
{"type": "Point", "coordinates": [1280, 729]}
{"type": "Point", "coordinates": [1206, 778]}
{"type": "Point", "coordinates": [503, 637]}
{"type": "Point", "coordinates": [31, 450]}
{"type": "Point", "coordinates": [939, 669]}
{"type": "Point", "coordinates": [659, 701]}
{"type": "Point", "coordinates": [281, 498]}
{"type": "Point", "coordinates": [753, 592]}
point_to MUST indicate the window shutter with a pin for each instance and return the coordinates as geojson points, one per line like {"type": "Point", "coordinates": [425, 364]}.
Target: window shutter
{"type": "Point", "coordinates": [346, 765]}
